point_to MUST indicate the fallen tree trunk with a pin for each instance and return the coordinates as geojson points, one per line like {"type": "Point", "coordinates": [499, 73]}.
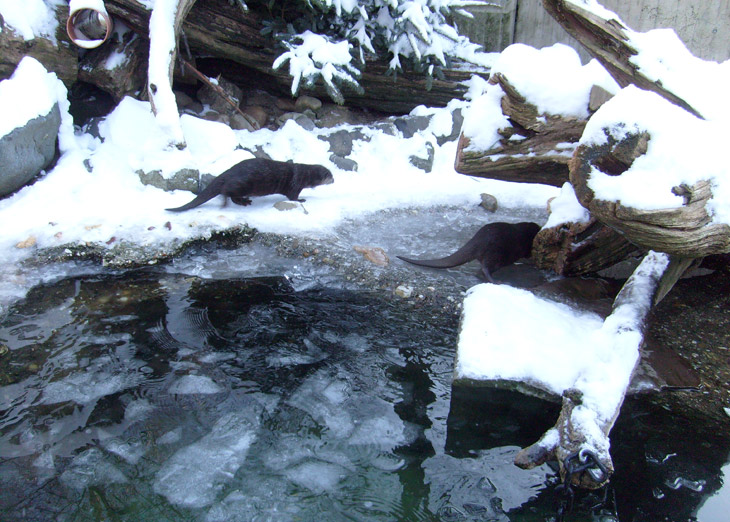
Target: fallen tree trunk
{"type": "Point", "coordinates": [608, 40]}
{"type": "Point", "coordinates": [581, 432]}
{"type": "Point", "coordinates": [60, 56]}
{"type": "Point", "coordinates": [536, 148]}
{"type": "Point", "coordinates": [575, 249]}
{"type": "Point", "coordinates": [221, 30]}
{"type": "Point", "coordinates": [687, 230]}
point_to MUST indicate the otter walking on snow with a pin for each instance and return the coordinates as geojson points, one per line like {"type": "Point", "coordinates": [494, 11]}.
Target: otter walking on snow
{"type": "Point", "coordinates": [261, 177]}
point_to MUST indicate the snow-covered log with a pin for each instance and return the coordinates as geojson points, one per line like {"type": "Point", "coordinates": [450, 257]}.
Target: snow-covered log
{"type": "Point", "coordinates": [535, 148]}
{"type": "Point", "coordinates": [119, 66]}
{"type": "Point", "coordinates": [43, 37]}
{"type": "Point", "coordinates": [619, 49]}
{"type": "Point", "coordinates": [591, 406]}
{"type": "Point", "coordinates": [657, 174]}
{"type": "Point", "coordinates": [222, 30]}
{"type": "Point", "coordinates": [164, 30]}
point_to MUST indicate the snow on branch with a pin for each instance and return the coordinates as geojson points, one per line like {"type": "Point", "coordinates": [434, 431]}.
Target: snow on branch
{"type": "Point", "coordinates": [416, 30]}
{"type": "Point", "coordinates": [312, 56]}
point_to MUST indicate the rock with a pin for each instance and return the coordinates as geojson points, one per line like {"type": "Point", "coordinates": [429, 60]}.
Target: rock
{"type": "Point", "coordinates": [341, 141]}
{"type": "Point", "coordinates": [300, 119]}
{"type": "Point", "coordinates": [240, 122]}
{"type": "Point", "coordinates": [386, 127]}
{"type": "Point", "coordinates": [307, 102]}
{"type": "Point", "coordinates": [489, 203]}
{"type": "Point", "coordinates": [285, 104]}
{"type": "Point", "coordinates": [410, 125]}
{"type": "Point", "coordinates": [344, 163]}
{"type": "Point", "coordinates": [283, 206]}
{"type": "Point", "coordinates": [424, 163]}
{"type": "Point", "coordinates": [375, 255]}
{"type": "Point", "coordinates": [27, 150]}
{"type": "Point", "coordinates": [27, 243]}
{"type": "Point", "coordinates": [258, 113]}
{"type": "Point", "coordinates": [184, 179]}
{"type": "Point", "coordinates": [209, 96]}
{"type": "Point", "coordinates": [333, 115]}
{"type": "Point", "coordinates": [457, 119]}
{"type": "Point", "coordinates": [404, 291]}
{"type": "Point", "coordinates": [183, 100]}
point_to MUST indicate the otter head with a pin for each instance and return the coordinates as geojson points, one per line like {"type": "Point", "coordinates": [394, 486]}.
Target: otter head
{"type": "Point", "coordinates": [320, 175]}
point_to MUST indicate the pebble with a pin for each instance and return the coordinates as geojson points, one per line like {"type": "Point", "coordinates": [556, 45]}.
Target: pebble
{"type": "Point", "coordinates": [404, 291]}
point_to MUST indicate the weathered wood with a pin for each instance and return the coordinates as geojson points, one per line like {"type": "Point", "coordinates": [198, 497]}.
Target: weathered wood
{"type": "Point", "coordinates": [608, 41]}
{"type": "Point", "coordinates": [218, 29]}
{"type": "Point", "coordinates": [575, 249]}
{"type": "Point", "coordinates": [686, 230]}
{"type": "Point", "coordinates": [536, 148]}
{"type": "Point", "coordinates": [61, 58]}
{"type": "Point", "coordinates": [117, 76]}
{"type": "Point", "coordinates": [575, 429]}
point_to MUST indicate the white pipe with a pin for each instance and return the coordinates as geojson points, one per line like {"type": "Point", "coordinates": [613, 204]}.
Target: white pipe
{"type": "Point", "coordinates": [88, 24]}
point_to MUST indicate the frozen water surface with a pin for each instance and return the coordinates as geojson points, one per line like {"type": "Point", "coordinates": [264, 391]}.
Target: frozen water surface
{"type": "Point", "coordinates": [155, 395]}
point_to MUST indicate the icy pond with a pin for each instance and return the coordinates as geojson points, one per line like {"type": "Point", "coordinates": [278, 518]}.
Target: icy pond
{"type": "Point", "coordinates": [189, 392]}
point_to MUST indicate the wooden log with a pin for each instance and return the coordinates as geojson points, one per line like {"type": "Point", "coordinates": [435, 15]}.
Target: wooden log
{"type": "Point", "coordinates": [536, 148]}
{"type": "Point", "coordinates": [218, 29]}
{"type": "Point", "coordinates": [575, 249]}
{"type": "Point", "coordinates": [578, 428]}
{"type": "Point", "coordinates": [686, 231]}
{"type": "Point", "coordinates": [60, 58]}
{"type": "Point", "coordinates": [608, 40]}
{"type": "Point", "coordinates": [117, 67]}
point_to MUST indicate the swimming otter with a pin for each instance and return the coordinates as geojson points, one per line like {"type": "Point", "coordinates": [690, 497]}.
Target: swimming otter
{"type": "Point", "coordinates": [495, 245]}
{"type": "Point", "coordinates": [261, 177]}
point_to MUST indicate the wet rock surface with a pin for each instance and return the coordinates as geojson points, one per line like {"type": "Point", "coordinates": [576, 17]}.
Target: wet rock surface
{"type": "Point", "coordinates": [694, 320]}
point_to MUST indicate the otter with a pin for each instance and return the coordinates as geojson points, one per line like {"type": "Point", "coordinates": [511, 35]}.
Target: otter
{"type": "Point", "coordinates": [495, 245]}
{"type": "Point", "coordinates": [261, 177]}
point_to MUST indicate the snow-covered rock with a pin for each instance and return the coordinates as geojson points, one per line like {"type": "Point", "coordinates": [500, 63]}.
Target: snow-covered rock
{"type": "Point", "coordinates": [31, 120]}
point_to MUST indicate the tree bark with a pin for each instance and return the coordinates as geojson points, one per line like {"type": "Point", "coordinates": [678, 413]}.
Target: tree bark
{"type": "Point", "coordinates": [61, 59]}
{"type": "Point", "coordinates": [686, 231]}
{"type": "Point", "coordinates": [576, 249]}
{"type": "Point", "coordinates": [218, 29]}
{"type": "Point", "coordinates": [536, 148]}
{"type": "Point", "coordinates": [609, 42]}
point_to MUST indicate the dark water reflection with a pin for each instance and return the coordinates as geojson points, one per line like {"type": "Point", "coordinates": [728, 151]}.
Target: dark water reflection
{"type": "Point", "coordinates": [150, 396]}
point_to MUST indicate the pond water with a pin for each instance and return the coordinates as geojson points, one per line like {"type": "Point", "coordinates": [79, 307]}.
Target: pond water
{"type": "Point", "coordinates": [154, 395]}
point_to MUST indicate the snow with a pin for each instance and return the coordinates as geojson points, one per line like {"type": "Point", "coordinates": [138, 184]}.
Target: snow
{"type": "Point", "coordinates": [554, 347]}
{"type": "Point", "coordinates": [648, 183]}
{"type": "Point", "coordinates": [566, 209]}
{"type": "Point", "coordinates": [162, 50]}
{"type": "Point", "coordinates": [93, 196]}
{"type": "Point", "coordinates": [553, 79]}
{"type": "Point", "coordinates": [29, 93]}
{"type": "Point", "coordinates": [31, 18]}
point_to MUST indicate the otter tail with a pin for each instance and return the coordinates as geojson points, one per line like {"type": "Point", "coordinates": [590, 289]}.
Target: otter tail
{"type": "Point", "coordinates": [208, 193]}
{"type": "Point", "coordinates": [461, 256]}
